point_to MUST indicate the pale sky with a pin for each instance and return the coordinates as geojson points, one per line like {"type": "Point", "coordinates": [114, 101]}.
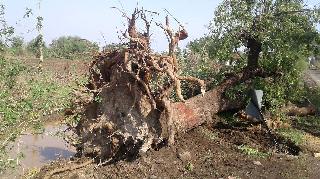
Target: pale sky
{"type": "Point", "coordinates": [89, 19]}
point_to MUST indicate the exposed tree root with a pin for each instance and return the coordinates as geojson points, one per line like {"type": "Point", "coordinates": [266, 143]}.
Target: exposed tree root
{"type": "Point", "coordinates": [126, 108]}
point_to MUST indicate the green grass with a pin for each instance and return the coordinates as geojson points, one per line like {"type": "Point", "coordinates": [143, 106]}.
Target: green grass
{"type": "Point", "coordinates": [208, 133]}
{"type": "Point", "coordinates": [189, 167]}
{"type": "Point", "coordinates": [310, 124]}
{"type": "Point", "coordinates": [295, 135]}
{"type": "Point", "coordinates": [252, 151]}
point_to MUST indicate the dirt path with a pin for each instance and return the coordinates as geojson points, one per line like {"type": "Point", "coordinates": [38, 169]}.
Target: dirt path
{"type": "Point", "coordinates": [315, 75]}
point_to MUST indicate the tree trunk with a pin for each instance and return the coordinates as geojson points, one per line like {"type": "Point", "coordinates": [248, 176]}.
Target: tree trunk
{"type": "Point", "coordinates": [254, 50]}
{"type": "Point", "coordinates": [41, 51]}
{"type": "Point", "coordinates": [39, 27]}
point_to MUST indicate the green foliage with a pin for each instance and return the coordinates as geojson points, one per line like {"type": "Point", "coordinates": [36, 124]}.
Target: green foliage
{"type": "Point", "coordinates": [9, 72]}
{"type": "Point", "coordinates": [38, 127]}
{"type": "Point", "coordinates": [17, 42]}
{"type": "Point", "coordinates": [28, 13]}
{"type": "Point", "coordinates": [34, 45]}
{"type": "Point", "coordinates": [189, 167]}
{"type": "Point", "coordinates": [285, 30]}
{"type": "Point", "coordinates": [25, 97]}
{"type": "Point", "coordinates": [6, 161]}
{"type": "Point", "coordinates": [313, 94]}
{"type": "Point", "coordinates": [228, 117]}
{"type": "Point", "coordinates": [310, 124]}
{"type": "Point", "coordinates": [97, 99]}
{"type": "Point", "coordinates": [208, 133]}
{"type": "Point", "coordinates": [114, 46]}
{"type": "Point", "coordinates": [5, 30]}
{"type": "Point", "coordinates": [72, 47]}
{"type": "Point", "coordinates": [294, 135]}
{"type": "Point", "coordinates": [193, 64]}
{"type": "Point", "coordinates": [39, 23]}
{"type": "Point", "coordinates": [17, 45]}
{"type": "Point", "coordinates": [3, 48]}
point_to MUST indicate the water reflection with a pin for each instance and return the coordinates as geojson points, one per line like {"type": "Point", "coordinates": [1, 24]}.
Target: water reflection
{"type": "Point", "coordinates": [40, 149]}
{"type": "Point", "coordinates": [52, 153]}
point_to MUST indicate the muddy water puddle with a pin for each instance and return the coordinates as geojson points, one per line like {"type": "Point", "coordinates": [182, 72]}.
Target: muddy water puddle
{"type": "Point", "coordinates": [40, 149]}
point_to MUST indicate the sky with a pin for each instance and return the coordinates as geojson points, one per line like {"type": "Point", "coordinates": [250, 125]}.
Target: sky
{"type": "Point", "coordinates": [95, 20]}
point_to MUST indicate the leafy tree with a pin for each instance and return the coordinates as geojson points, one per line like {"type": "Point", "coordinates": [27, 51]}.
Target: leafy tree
{"type": "Point", "coordinates": [5, 30]}
{"type": "Point", "coordinates": [275, 36]}
{"type": "Point", "coordinates": [17, 42]}
{"type": "Point", "coordinates": [17, 45]}
{"type": "Point", "coordinates": [72, 47]}
{"type": "Point", "coordinates": [113, 46]}
{"type": "Point", "coordinates": [34, 45]}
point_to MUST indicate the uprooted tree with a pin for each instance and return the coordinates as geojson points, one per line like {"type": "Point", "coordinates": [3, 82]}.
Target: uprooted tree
{"type": "Point", "coordinates": [126, 107]}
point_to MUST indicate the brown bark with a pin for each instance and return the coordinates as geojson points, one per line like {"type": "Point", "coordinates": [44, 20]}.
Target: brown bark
{"type": "Point", "coordinates": [199, 109]}
{"type": "Point", "coordinates": [254, 50]}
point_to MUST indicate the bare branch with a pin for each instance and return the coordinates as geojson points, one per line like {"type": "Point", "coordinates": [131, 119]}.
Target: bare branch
{"type": "Point", "coordinates": [124, 14]}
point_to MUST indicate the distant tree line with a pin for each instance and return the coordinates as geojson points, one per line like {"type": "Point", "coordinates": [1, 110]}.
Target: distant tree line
{"type": "Point", "coordinates": [66, 47]}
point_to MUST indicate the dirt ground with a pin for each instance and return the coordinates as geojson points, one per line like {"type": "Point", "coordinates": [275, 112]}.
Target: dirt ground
{"type": "Point", "coordinates": [62, 68]}
{"type": "Point", "coordinates": [208, 151]}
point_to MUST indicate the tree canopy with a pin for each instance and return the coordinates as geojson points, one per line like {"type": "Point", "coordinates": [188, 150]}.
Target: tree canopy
{"type": "Point", "coordinates": [275, 35]}
{"type": "Point", "coordinates": [71, 46]}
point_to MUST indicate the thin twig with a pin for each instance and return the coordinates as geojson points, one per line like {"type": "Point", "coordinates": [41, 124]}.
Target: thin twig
{"type": "Point", "coordinates": [174, 18]}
